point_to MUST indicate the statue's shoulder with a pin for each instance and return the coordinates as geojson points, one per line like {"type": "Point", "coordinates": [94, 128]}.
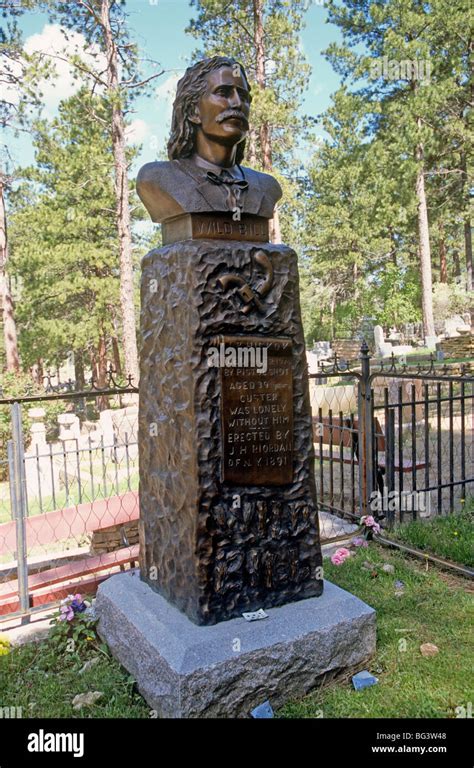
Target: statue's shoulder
{"type": "Point", "coordinates": [160, 172]}
{"type": "Point", "coordinates": [158, 185]}
{"type": "Point", "coordinates": [267, 183]}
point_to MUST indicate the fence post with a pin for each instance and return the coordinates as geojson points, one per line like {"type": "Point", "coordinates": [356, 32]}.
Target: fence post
{"type": "Point", "coordinates": [16, 464]}
{"type": "Point", "coordinates": [366, 481]}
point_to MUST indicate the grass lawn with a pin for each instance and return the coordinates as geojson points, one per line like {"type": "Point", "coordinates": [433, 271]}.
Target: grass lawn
{"type": "Point", "coordinates": [451, 536]}
{"type": "Point", "coordinates": [434, 608]}
{"type": "Point", "coordinates": [44, 682]}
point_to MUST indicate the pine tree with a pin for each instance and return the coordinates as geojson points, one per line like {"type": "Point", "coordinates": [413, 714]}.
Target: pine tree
{"type": "Point", "coordinates": [118, 71]}
{"type": "Point", "coordinates": [357, 227]}
{"type": "Point", "coordinates": [414, 74]}
{"type": "Point", "coordinates": [19, 101]}
{"type": "Point", "coordinates": [68, 270]}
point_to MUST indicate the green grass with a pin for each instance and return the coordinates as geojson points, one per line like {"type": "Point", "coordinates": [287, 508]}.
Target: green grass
{"type": "Point", "coordinates": [451, 536]}
{"type": "Point", "coordinates": [44, 682]}
{"type": "Point", "coordinates": [430, 610]}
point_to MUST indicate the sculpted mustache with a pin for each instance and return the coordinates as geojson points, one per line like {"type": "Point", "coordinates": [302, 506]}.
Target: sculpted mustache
{"type": "Point", "coordinates": [231, 113]}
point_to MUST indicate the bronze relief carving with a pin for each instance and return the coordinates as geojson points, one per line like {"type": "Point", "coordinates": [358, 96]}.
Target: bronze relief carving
{"type": "Point", "coordinates": [251, 298]}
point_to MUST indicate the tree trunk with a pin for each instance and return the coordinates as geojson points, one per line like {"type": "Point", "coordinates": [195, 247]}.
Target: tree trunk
{"type": "Point", "coordinates": [101, 372]}
{"type": "Point", "coordinates": [393, 246]}
{"type": "Point", "coordinates": [332, 307]}
{"type": "Point", "coordinates": [37, 372]}
{"type": "Point", "coordinates": [265, 129]}
{"type": "Point", "coordinates": [122, 200]}
{"type": "Point", "coordinates": [468, 249]}
{"type": "Point", "coordinates": [275, 231]}
{"type": "Point", "coordinates": [116, 355]}
{"type": "Point", "coordinates": [457, 264]}
{"type": "Point", "coordinates": [443, 266]}
{"type": "Point", "coordinates": [252, 147]}
{"type": "Point", "coordinates": [9, 325]}
{"type": "Point", "coordinates": [264, 132]}
{"type": "Point", "coordinates": [467, 222]}
{"type": "Point", "coordinates": [424, 246]}
{"type": "Point", "coordinates": [79, 373]}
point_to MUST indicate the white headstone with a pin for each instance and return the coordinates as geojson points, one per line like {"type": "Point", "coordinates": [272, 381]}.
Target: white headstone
{"type": "Point", "coordinates": [69, 426]}
{"type": "Point", "coordinates": [382, 348]}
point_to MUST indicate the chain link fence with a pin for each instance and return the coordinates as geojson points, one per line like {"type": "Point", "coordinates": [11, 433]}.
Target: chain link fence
{"type": "Point", "coordinates": [68, 494]}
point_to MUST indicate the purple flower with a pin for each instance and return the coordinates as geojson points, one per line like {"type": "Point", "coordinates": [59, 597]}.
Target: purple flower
{"type": "Point", "coordinates": [78, 607]}
{"type": "Point", "coordinates": [67, 613]}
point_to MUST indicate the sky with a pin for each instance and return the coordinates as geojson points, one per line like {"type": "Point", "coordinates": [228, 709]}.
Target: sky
{"type": "Point", "coordinates": [159, 28]}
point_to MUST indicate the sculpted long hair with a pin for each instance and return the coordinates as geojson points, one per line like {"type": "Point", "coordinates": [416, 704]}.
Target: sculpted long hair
{"type": "Point", "coordinates": [190, 89]}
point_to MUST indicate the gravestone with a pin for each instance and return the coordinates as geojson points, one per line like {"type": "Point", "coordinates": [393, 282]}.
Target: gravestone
{"type": "Point", "coordinates": [38, 461]}
{"type": "Point", "coordinates": [69, 427]}
{"type": "Point", "coordinates": [382, 347]}
{"type": "Point", "coordinates": [228, 513]}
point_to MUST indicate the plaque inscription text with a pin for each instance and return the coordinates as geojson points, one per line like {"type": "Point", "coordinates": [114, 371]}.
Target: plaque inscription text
{"type": "Point", "coordinates": [257, 415]}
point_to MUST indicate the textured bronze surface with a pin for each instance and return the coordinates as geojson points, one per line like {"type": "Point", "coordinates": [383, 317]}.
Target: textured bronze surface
{"type": "Point", "coordinates": [218, 226]}
{"type": "Point", "coordinates": [257, 414]}
{"type": "Point", "coordinates": [212, 547]}
{"type": "Point", "coordinates": [217, 539]}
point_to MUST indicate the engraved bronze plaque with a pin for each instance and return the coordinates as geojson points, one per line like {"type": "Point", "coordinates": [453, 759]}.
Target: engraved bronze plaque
{"type": "Point", "coordinates": [256, 409]}
{"type": "Point", "coordinates": [215, 226]}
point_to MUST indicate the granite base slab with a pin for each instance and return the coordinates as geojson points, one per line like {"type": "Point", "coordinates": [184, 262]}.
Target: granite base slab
{"type": "Point", "coordinates": [188, 671]}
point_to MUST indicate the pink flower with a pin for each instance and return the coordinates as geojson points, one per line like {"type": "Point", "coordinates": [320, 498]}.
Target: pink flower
{"type": "Point", "coordinates": [370, 522]}
{"type": "Point", "coordinates": [340, 555]}
{"type": "Point", "coordinates": [360, 542]}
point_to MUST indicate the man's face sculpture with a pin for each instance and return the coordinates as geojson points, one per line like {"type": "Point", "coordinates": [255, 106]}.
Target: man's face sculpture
{"type": "Point", "coordinates": [222, 112]}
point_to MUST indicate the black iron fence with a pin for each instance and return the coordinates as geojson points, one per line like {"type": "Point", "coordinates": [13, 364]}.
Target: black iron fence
{"type": "Point", "coordinates": [392, 440]}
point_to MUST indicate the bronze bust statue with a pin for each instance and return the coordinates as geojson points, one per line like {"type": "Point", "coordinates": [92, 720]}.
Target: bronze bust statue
{"type": "Point", "coordinates": [205, 149]}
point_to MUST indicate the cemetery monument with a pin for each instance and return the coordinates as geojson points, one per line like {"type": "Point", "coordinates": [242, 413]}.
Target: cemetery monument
{"type": "Point", "coordinates": [228, 512]}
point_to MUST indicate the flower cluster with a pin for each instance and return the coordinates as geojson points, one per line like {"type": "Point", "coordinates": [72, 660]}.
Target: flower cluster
{"type": "Point", "coordinates": [71, 605]}
{"type": "Point", "coordinates": [370, 523]}
{"type": "Point", "coordinates": [340, 555]}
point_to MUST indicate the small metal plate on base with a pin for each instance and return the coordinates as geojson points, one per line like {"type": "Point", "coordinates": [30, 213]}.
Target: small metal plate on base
{"type": "Point", "coordinates": [215, 226]}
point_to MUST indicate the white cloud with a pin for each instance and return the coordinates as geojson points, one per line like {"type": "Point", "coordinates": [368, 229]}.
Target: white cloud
{"type": "Point", "coordinates": [137, 131]}
{"type": "Point", "coordinates": [165, 94]}
{"type": "Point", "coordinates": [59, 44]}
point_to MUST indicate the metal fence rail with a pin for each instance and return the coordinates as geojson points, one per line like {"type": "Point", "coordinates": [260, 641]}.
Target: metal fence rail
{"type": "Point", "coordinates": [391, 440]}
